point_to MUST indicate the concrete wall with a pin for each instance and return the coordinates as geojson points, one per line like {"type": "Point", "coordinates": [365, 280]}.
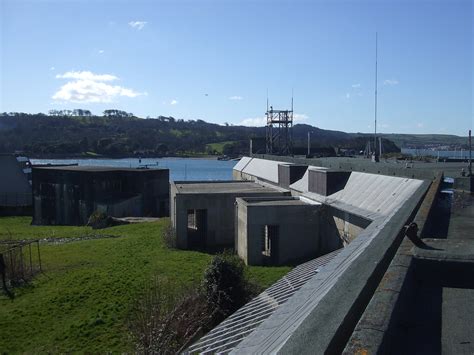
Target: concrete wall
{"type": "Point", "coordinates": [419, 171]}
{"type": "Point", "coordinates": [290, 173]}
{"type": "Point", "coordinates": [220, 218]}
{"type": "Point", "coordinates": [339, 228]}
{"type": "Point", "coordinates": [298, 237]}
{"type": "Point", "coordinates": [326, 182]}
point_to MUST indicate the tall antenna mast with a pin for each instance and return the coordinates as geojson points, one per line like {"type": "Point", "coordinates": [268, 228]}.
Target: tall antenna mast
{"type": "Point", "coordinates": [291, 99]}
{"type": "Point", "coordinates": [375, 131]}
{"type": "Point", "coordinates": [267, 99]}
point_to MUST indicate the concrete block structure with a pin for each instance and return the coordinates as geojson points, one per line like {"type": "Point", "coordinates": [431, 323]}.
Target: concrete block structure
{"type": "Point", "coordinates": [203, 212]}
{"type": "Point", "coordinates": [277, 231]}
{"type": "Point", "coordinates": [349, 221]}
{"type": "Point", "coordinates": [15, 185]}
{"type": "Point", "coordinates": [68, 195]}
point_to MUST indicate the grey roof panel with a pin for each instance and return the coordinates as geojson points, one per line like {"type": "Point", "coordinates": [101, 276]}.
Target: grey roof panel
{"type": "Point", "coordinates": [227, 335]}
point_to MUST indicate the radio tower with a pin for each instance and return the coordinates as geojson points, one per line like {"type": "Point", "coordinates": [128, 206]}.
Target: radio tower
{"type": "Point", "coordinates": [279, 140]}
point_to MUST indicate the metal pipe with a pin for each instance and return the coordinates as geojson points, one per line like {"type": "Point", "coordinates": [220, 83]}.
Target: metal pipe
{"type": "Point", "coordinates": [309, 143]}
{"type": "Point", "coordinates": [470, 154]}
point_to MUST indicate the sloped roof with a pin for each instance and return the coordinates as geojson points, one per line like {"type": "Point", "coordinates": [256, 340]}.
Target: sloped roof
{"type": "Point", "coordinates": [367, 195]}
{"type": "Point", "coordinates": [260, 168]}
{"type": "Point", "coordinates": [234, 329]}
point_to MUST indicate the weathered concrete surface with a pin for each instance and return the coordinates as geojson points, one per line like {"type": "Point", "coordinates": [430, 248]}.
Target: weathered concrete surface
{"type": "Point", "coordinates": [296, 224]}
{"type": "Point", "coordinates": [414, 170]}
{"type": "Point", "coordinates": [322, 315]}
{"type": "Point", "coordinates": [374, 331]}
{"type": "Point", "coordinates": [457, 327]}
{"type": "Point", "coordinates": [464, 183]}
{"type": "Point", "coordinates": [217, 199]}
{"type": "Point", "coordinates": [429, 307]}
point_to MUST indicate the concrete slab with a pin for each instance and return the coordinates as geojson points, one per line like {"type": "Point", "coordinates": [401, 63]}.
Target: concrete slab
{"type": "Point", "coordinates": [221, 187]}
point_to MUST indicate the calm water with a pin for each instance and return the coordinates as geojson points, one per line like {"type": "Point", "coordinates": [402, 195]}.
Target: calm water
{"type": "Point", "coordinates": [180, 168]}
{"type": "Point", "coordinates": [434, 153]}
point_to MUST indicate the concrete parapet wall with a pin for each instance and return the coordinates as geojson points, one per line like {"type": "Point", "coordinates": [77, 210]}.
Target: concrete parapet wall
{"type": "Point", "coordinates": [324, 313]}
{"type": "Point", "coordinates": [362, 165]}
{"type": "Point", "coordinates": [374, 331]}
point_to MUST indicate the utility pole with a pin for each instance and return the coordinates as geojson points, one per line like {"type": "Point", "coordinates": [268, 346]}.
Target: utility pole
{"type": "Point", "coordinates": [375, 126]}
{"type": "Point", "coordinates": [470, 154]}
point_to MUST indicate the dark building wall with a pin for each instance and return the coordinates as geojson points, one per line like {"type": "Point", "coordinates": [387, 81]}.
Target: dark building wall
{"type": "Point", "coordinates": [288, 174]}
{"type": "Point", "coordinates": [70, 196]}
{"type": "Point", "coordinates": [327, 182]}
{"type": "Point", "coordinates": [15, 190]}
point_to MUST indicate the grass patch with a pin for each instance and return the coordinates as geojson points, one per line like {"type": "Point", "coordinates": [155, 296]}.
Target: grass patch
{"type": "Point", "coordinates": [82, 301]}
{"type": "Point", "coordinates": [20, 228]}
{"type": "Point", "coordinates": [218, 147]}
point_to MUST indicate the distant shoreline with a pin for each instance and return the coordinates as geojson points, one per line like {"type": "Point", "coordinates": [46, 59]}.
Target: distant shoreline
{"type": "Point", "coordinates": [111, 157]}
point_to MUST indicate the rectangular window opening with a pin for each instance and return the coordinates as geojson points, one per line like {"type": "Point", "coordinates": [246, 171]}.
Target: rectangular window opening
{"type": "Point", "coordinates": [269, 240]}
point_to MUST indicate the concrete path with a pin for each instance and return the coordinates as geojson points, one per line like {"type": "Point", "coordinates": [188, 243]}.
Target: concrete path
{"type": "Point", "coordinates": [457, 325]}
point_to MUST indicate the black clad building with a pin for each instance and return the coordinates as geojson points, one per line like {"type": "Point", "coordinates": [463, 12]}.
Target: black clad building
{"type": "Point", "coordinates": [68, 195]}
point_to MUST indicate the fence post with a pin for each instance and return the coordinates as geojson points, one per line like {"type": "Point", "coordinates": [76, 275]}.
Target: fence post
{"type": "Point", "coordinates": [31, 261]}
{"type": "Point", "coordinates": [22, 263]}
{"type": "Point", "coordinates": [39, 256]}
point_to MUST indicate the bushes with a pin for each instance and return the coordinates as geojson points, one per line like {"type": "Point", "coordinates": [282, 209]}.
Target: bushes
{"type": "Point", "coordinates": [100, 220]}
{"type": "Point", "coordinates": [169, 322]}
{"type": "Point", "coordinates": [169, 237]}
{"type": "Point", "coordinates": [224, 283]}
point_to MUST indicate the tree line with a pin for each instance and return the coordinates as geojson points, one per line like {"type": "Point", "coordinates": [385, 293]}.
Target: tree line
{"type": "Point", "coordinates": [120, 133]}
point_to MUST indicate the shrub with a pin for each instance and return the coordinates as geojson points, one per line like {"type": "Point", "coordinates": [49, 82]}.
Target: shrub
{"type": "Point", "coordinates": [166, 322]}
{"type": "Point", "coordinates": [224, 284]}
{"type": "Point", "coordinates": [98, 220]}
{"type": "Point", "coordinates": [169, 237]}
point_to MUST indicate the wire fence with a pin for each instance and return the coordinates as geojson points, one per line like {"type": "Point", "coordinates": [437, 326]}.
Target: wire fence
{"type": "Point", "coordinates": [20, 261]}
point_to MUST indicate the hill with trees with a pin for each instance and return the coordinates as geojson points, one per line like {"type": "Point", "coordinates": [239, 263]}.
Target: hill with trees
{"type": "Point", "coordinates": [120, 134]}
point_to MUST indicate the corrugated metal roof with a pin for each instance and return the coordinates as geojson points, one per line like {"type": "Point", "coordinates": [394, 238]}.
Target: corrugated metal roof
{"type": "Point", "coordinates": [234, 329]}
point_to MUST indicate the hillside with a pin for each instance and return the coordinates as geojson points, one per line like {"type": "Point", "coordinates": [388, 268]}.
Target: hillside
{"type": "Point", "coordinates": [125, 135]}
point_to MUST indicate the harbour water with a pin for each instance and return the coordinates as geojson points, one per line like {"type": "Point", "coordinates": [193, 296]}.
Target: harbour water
{"type": "Point", "coordinates": [181, 169]}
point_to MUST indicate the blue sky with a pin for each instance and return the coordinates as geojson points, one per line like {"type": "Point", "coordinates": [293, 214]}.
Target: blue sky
{"type": "Point", "coordinates": [215, 60]}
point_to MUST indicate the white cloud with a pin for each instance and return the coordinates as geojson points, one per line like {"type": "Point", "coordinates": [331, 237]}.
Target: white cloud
{"type": "Point", "coordinates": [86, 75]}
{"type": "Point", "coordinates": [101, 51]}
{"type": "Point", "coordinates": [348, 96]}
{"type": "Point", "coordinates": [236, 98]}
{"type": "Point", "coordinates": [262, 121]}
{"type": "Point", "coordinates": [254, 122]}
{"type": "Point", "coordinates": [174, 102]}
{"type": "Point", "coordinates": [52, 68]}
{"type": "Point", "coordinates": [138, 25]}
{"type": "Point", "coordinates": [356, 86]}
{"type": "Point", "coordinates": [390, 82]}
{"type": "Point", "coordinates": [87, 87]}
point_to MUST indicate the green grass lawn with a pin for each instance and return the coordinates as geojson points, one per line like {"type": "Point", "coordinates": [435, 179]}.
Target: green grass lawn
{"type": "Point", "coordinates": [21, 228]}
{"type": "Point", "coordinates": [82, 300]}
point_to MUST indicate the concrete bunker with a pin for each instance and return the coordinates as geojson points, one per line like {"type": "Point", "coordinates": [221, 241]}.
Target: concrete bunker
{"type": "Point", "coordinates": [277, 231]}
{"type": "Point", "coordinates": [203, 212]}
{"type": "Point", "coordinates": [68, 195]}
